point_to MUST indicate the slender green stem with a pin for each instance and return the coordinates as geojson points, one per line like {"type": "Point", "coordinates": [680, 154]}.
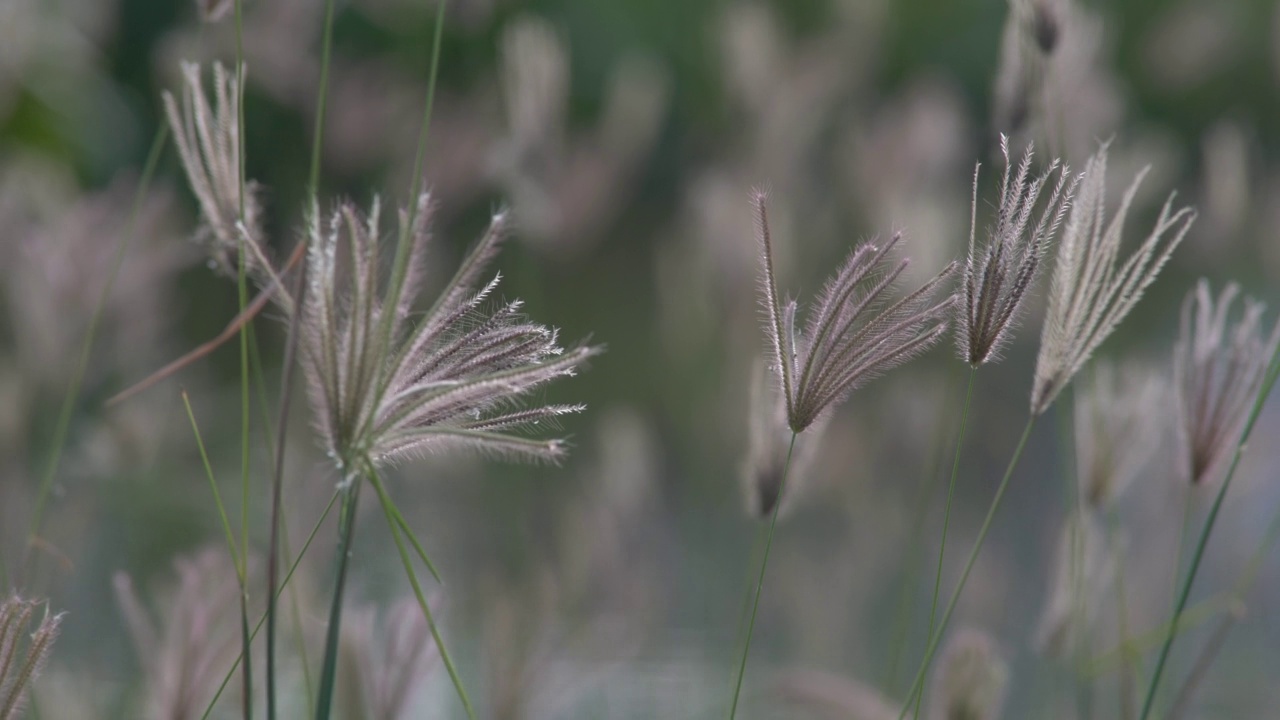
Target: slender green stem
{"type": "Point", "coordinates": [417, 546]}
{"type": "Point", "coordinates": [915, 551]}
{"type": "Point", "coordinates": [1187, 503]}
{"type": "Point", "coordinates": [277, 486]}
{"type": "Point", "coordinates": [346, 531]}
{"type": "Point", "coordinates": [242, 294]}
{"type": "Point", "coordinates": [968, 567]}
{"type": "Point", "coordinates": [86, 349]}
{"type": "Point", "coordinates": [1200, 670]}
{"type": "Point", "coordinates": [757, 547]}
{"type": "Point", "coordinates": [400, 265]}
{"type": "Point", "coordinates": [326, 50]}
{"type": "Point", "coordinates": [395, 521]}
{"type": "Point", "coordinates": [1273, 368]}
{"type": "Point", "coordinates": [946, 517]}
{"type": "Point", "coordinates": [764, 563]}
{"type": "Point", "coordinates": [217, 496]}
{"type": "Point", "coordinates": [226, 679]}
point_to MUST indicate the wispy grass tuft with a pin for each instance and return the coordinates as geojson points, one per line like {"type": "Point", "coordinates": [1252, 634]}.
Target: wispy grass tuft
{"type": "Point", "coordinates": [854, 334]}
{"type": "Point", "coordinates": [1215, 383]}
{"type": "Point", "coordinates": [21, 662]}
{"type": "Point", "coordinates": [1092, 292]}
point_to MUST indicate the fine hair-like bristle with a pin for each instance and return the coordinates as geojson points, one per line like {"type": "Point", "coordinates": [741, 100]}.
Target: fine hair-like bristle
{"type": "Point", "coordinates": [21, 662]}
{"type": "Point", "coordinates": [998, 275]}
{"type": "Point", "coordinates": [1091, 291]}
{"type": "Point", "coordinates": [851, 336]}
{"type": "Point", "coordinates": [1218, 368]}
{"type": "Point", "coordinates": [207, 135]}
{"type": "Point", "coordinates": [384, 388]}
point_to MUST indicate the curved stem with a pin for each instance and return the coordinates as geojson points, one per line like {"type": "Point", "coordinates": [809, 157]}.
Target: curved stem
{"type": "Point", "coordinates": [346, 530]}
{"type": "Point", "coordinates": [395, 523]}
{"type": "Point", "coordinates": [946, 516]}
{"type": "Point", "coordinates": [968, 567]}
{"type": "Point", "coordinates": [1263, 391]}
{"type": "Point", "coordinates": [764, 563]}
{"type": "Point", "coordinates": [1273, 368]}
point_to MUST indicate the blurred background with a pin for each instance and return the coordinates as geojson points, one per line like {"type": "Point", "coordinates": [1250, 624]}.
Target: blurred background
{"type": "Point", "coordinates": [626, 137]}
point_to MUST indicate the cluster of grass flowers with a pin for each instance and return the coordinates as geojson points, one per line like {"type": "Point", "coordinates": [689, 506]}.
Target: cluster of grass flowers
{"type": "Point", "coordinates": [397, 369]}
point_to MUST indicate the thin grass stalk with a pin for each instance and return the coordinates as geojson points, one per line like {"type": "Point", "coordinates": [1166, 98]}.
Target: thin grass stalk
{"type": "Point", "coordinates": [968, 567]}
{"type": "Point", "coordinates": [226, 679]}
{"type": "Point", "coordinates": [238, 558]}
{"type": "Point", "coordinates": [287, 371]}
{"type": "Point", "coordinates": [1149, 640]}
{"type": "Point", "coordinates": [277, 482]}
{"type": "Point", "coordinates": [82, 364]}
{"type": "Point", "coordinates": [1200, 670]}
{"type": "Point", "coordinates": [1182, 543]}
{"type": "Point", "coordinates": [217, 495]}
{"type": "Point", "coordinates": [400, 266]}
{"type": "Point", "coordinates": [764, 563]}
{"type": "Point", "coordinates": [757, 547]}
{"type": "Point", "coordinates": [946, 516]}
{"type": "Point", "coordinates": [259, 378]}
{"type": "Point", "coordinates": [346, 531]}
{"type": "Point", "coordinates": [242, 296]}
{"type": "Point", "coordinates": [387, 507]}
{"type": "Point", "coordinates": [1263, 392]}
{"type": "Point", "coordinates": [915, 554]}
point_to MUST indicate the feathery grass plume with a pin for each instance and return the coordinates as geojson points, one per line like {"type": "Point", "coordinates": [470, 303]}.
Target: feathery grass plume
{"type": "Point", "coordinates": [1091, 292]}
{"type": "Point", "coordinates": [1217, 377]}
{"type": "Point", "coordinates": [973, 681]}
{"type": "Point", "coordinates": [184, 651]}
{"type": "Point", "coordinates": [448, 382]}
{"type": "Point", "coordinates": [390, 665]}
{"type": "Point", "coordinates": [768, 444]}
{"type": "Point", "coordinates": [21, 662]}
{"type": "Point", "coordinates": [1120, 422]}
{"type": "Point", "coordinates": [208, 140]}
{"type": "Point", "coordinates": [851, 336]}
{"type": "Point", "coordinates": [1084, 566]}
{"type": "Point", "coordinates": [997, 277]}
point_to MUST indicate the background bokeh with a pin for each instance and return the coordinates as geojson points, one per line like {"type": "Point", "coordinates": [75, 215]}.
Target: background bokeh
{"type": "Point", "coordinates": [626, 137]}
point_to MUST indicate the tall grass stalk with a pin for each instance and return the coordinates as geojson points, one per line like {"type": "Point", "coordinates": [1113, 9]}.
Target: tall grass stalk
{"type": "Point", "coordinates": [242, 296]}
{"type": "Point", "coordinates": [915, 550]}
{"type": "Point", "coordinates": [286, 379]}
{"type": "Point", "coordinates": [346, 531]}
{"type": "Point", "coordinates": [399, 272]}
{"type": "Point", "coordinates": [226, 679]}
{"type": "Point", "coordinates": [396, 522]}
{"type": "Point", "coordinates": [934, 641]}
{"type": "Point", "coordinates": [764, 563]}
{"type": "Point", "coordinates": [239, 558]}
{"type": "Point", "coordinates": [1185, 594]}
{"type": "Point", "coordinates": [82, 364]}
{"type": "Point", "coordinates": [946, 517]}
